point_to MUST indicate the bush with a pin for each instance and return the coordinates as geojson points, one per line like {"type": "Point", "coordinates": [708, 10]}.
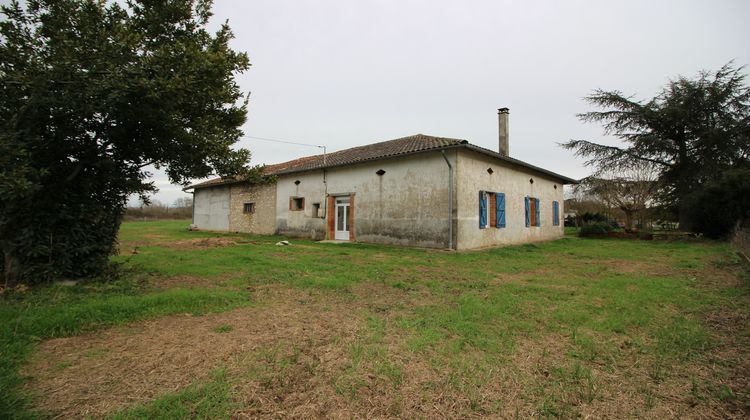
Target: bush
{"type": "Point", "coordinates": [719, 206]}
{"type": "Point", "coordinates": [594, 228]}
{"type": "Point", "coordinates": [589, 217]}
{"type": "Point", "coordinates": [158, 212]}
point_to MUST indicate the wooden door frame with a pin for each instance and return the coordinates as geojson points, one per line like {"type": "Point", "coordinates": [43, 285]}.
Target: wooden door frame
{"type": "Point", "coordinates": [331, 216]}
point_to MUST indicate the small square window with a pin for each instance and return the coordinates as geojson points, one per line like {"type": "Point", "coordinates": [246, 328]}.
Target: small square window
{"type": "Point", "coordinates": [316, 210]}
{"type": "Point", "coordinates": [297, 203]}
{"type": "Point", "coordinates": [248, 208]}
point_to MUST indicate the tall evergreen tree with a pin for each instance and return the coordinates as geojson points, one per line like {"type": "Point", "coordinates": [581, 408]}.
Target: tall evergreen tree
{"type": "Point", "coordinates": [691, 132]}
{"type": "Point", "coordinates": [91, 94]}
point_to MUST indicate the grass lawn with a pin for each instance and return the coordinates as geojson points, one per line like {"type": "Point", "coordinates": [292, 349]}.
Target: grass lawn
{"type": "Point", "coordinates": [217, 325]}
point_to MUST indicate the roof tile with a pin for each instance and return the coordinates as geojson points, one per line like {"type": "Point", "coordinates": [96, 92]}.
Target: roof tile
{"type": "Point", "coordinates": [396, 147]}
{"type": "Point", "coordinates": [402, 146]}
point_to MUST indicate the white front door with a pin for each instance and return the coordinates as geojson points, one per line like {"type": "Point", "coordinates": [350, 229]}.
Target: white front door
{"type": "Point", "coordinates": [342, 219]}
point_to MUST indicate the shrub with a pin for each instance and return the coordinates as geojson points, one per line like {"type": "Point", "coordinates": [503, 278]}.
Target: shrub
{"type": "Point", "coordinates": [589, 217]}
{"type": "Point", "coordinates": [594, 228]}
{"type": "Point", "coordinates": [719, 206]}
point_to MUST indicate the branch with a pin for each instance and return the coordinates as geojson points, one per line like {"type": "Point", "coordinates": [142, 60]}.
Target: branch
{"type": "Point", "coordinates": [603, 155]}
{"type": "Point", "coordinates": [75, 172]}
{"type": "Point", "coordinates": [150, 162]}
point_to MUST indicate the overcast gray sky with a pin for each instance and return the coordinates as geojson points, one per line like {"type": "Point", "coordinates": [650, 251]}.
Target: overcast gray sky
{"type": "Point", "coordinates": [346, 73]}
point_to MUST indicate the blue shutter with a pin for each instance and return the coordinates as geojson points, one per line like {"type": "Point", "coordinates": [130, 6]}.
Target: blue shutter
{"type": "Point", "coordinates": [555, 213]}
{"type": "Point", "coordinates": [528, 216]}
{"type": "Point", "coordinates": [482, 210]}
{"type": "Point", "coordinates": [538, 219]}
{"type": "Point", "coordinates": [500, 209]}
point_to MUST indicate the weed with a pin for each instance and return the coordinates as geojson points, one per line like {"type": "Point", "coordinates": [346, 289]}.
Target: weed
{"type": "Point", "coordinates": [223, 328]}
{"type": "Point", "coordinates": [212, 400]}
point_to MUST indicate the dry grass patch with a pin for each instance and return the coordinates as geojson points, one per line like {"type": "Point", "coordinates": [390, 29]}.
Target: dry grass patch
{"type": "Point", "coordinates": [95, 374]}
{"type": "Point", "coordinates": [185, 281]}
{"type": "Point", "coordinates": [202, 243]}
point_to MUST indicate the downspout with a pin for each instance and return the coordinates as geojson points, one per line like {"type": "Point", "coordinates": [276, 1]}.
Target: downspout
{"type": "Point", "coordinates": [192, 222]}
{"type": "Point", "coordinates": [325, 195]}
{"type": "Point", "coordinates": [450, 200]}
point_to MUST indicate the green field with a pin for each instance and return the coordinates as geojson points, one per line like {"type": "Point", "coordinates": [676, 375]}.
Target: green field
{"type": "Point", "coordinates": [213, 325]}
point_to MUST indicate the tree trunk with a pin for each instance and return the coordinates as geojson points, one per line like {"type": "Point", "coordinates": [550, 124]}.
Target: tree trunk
{"type": "Point", "coordinates": [683, 205]}
{"type": "Point", "coordinates": [683, 188]}
{"type": "Point", "coordinates": [683, 216]}
{"type": "Point", "coordinates": [628, 218]}
{"type": "Point", "coordinates": [11, 272]}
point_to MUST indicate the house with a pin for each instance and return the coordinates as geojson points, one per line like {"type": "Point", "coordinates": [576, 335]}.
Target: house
{"type": "Point", "coordinates": [419, 190]}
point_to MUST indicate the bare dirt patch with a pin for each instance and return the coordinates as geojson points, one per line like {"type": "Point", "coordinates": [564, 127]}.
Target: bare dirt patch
{"type": "Point", "coordinates": [647, 268]}
{"type": "Point", "coordinates": [201, 243]}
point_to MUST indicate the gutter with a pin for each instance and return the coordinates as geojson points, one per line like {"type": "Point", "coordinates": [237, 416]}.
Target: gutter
{"type": "Point", "coordinates": [450, 200]}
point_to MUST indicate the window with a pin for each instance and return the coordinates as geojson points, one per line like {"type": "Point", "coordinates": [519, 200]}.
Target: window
{"type": "Point", "coordinates": [248, 208]}
{"type": "Point", "coordinates": [491, 209]}
{"type": "Point", "coordinates": [296, 203]}
{"type": "Point", "coordinates": [316, 210]}
{"type": "Point", "coordinates": [555, 213]}
{"type": "Point", "coordinates": [532, 208]}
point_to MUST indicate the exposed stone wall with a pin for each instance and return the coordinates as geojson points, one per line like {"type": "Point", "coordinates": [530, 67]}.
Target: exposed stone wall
{"type": "Point", "coordinates": [263, 220]}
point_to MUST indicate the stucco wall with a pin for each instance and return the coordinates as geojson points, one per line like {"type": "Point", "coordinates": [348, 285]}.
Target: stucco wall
{"type": "Point", "coordinates": [407, 205]}
{"type": "Point", "coordinates": [211, 208]}
{"type": "Point", "coordinates": [472, 177]}
{"type": "Point", "coordinates": [263, 220]}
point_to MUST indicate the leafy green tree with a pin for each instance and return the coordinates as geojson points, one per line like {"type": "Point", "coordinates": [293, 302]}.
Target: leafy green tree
{"type": "Point", "coordinates": [718, 207]}
{"type": "Point", "coordinates": [91, 94]}
{"type": "Point", "coordinates": [691, 132]}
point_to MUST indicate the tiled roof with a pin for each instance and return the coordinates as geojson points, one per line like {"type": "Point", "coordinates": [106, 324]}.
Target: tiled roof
{"type": "Point", "coordinates": [385, 149]}
{"type": "Point", "coordinates": [402, 146]}
{"type": "Point", "coordinates": [398, 147]}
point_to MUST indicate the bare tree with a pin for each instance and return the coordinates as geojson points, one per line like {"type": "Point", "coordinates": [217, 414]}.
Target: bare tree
{"type": "Point", "coordinates": [183, 202]}
{"type": "Point", "coordinates": [630, 190]}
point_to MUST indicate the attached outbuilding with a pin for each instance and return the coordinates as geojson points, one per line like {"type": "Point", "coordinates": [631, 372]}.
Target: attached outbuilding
{"type": "Point", "coordinates": [419, 190]}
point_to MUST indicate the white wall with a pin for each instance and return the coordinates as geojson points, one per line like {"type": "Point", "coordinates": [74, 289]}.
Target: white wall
{"type": "Point", "coordinates": [472, 177]}
{"type": "Point", "coordinates": [211, 208]}
{"type": "Point", "coordinates": [408, 205]}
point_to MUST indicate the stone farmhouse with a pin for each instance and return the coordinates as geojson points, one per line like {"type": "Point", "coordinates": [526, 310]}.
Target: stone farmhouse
{"type": "Point", "coordinates": [419, 190]}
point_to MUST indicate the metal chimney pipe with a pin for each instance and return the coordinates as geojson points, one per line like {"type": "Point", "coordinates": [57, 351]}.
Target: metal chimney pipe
{"type": "Point", "coordinates": [502, 117]}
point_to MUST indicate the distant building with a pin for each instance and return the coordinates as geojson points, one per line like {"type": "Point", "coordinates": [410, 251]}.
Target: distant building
{"type": "Point", "coordinates": [417, 191]}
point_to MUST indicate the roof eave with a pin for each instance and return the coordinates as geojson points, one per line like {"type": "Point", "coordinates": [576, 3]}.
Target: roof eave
{"type": "Point", "coordinates": [217, 184]}
{"type": "Point", "coordinates": [564, 179]}
{"type": "Point", "coordinates": [521, 163]}
{"type": "Point", "coordinates": [373, 159]}
{"type": "Point", "coordinates": [463, 145]}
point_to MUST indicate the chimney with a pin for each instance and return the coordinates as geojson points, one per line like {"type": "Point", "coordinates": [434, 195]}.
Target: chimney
{"type": "Point", "coordinates": [502, 116]}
